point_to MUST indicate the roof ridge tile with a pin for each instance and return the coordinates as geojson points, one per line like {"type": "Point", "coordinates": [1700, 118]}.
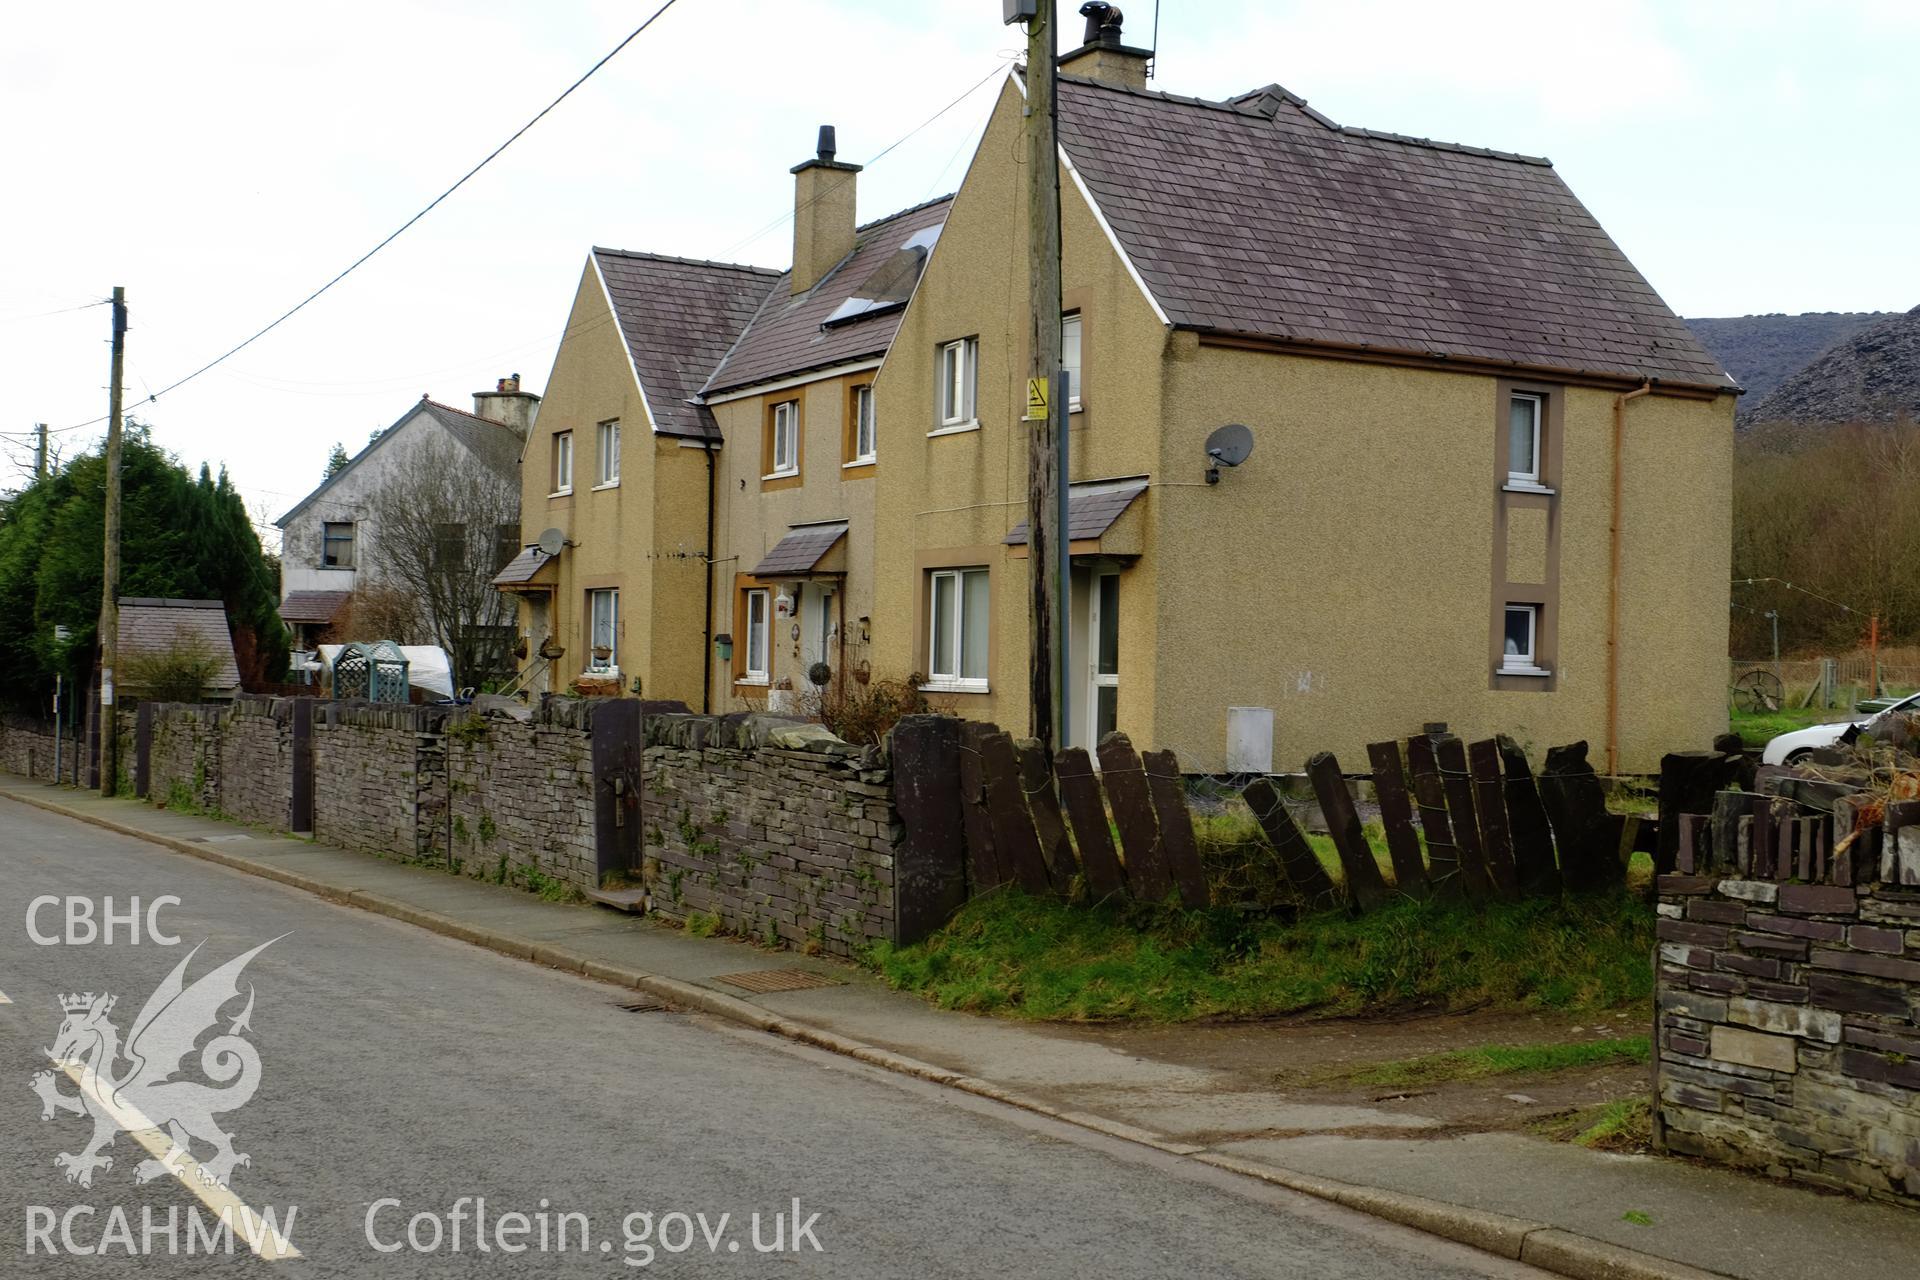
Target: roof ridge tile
{"type": "Point", "coordinates": [646, 256]}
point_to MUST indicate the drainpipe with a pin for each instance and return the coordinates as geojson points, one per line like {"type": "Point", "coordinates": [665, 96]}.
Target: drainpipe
{"type": "Point", "coordinates": [1613, 577]}
{"type": "Point", "coordinates": [706, 610]}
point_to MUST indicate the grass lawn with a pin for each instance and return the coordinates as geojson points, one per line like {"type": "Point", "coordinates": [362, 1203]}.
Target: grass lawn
{"type": "Point", "coordinates": [1022, 957]}
{"type": "Point", "coordinates": [1757, 727]}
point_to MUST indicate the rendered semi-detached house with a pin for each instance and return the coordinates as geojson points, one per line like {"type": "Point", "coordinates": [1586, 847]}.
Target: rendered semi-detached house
{"type": "Point", "coordinates": [1432, 346]}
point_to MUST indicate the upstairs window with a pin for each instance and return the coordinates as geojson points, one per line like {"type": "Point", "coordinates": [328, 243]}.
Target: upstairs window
{"type": "Point", "coordinates": [864, 433]}
{"type": "Point", "coordinates": [506, 545]}
{"type": "Point", "coordinates": [1523, 439]}
{"type": "Point", "coordinates": [609, 453]}
{"type": "Point", "coordinates": [785, 446]}
{"type": "Point", "coordinates": [563, 462]}
{"type": "Point", "coordinates": [959, 372]}
{"type": "Point", "coordinates": [1070, 357]}
{"type": "Point", "coordinates": [450, 548]}
{"type": "Point", "coordinates": [336, 544]}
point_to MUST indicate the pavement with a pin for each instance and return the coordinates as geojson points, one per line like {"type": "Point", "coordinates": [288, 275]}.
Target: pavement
{"type": "Point", "coordinates": [1564, 1209]}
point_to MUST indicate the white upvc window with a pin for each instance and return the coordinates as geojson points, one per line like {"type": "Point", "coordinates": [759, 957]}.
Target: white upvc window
{"type": "Point", "coordinates": [1524, 412]}
{"type": "Point", "coordinates": [1520, 646]}
{"type": "Point", "coordinates": [786, 438]}
{"type": "Point", "coordinates": [609, 453]}
{"type": "Point", "coordinates": [563, 462]}
{"type": "Point", "coordinates": [865, 434]}
{"type": "Point", "coordinates": [1070, 357]}
{"type": "Point", "coordinates": [959, 373]}
{"type": "Point", "coordinates": [959, 614]}
{"type": "Point", "coordinates": [603, 613]}
{"type": "Point", "coordinates": [757, 668]}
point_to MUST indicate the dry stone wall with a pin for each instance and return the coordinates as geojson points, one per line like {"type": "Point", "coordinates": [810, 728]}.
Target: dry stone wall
{"type": "Point", "coordinates": [379, 778]}
{"type": "Point", "coordinates": [520, 795]}
{"type": "Point", "coordinates": [256, 744]}
{"type": "Point", "coordinates": [781, 831]}
{"type": "Point", "coordinates": [27, 748]}
{"type": "Point", "coordinates": [769, 827]}
{"type": "Point", "coordinates": [185, 759]}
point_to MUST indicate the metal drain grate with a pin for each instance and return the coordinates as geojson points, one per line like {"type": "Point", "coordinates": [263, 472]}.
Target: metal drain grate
{"type": "Point", "coordinates": [644, 1006]}
{"type": "Point", "coordinates": [766, 980]}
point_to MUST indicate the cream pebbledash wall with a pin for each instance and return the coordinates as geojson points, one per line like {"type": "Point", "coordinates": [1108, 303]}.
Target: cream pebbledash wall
{"type": "Point", "coordinates": [754, 513]}
{"type": "Point", "coordinates": [645, 536]}
{"type": "Point", "coordinates": [1344, 575]}
{"type": "Point", "coordinates": [1366, 517]}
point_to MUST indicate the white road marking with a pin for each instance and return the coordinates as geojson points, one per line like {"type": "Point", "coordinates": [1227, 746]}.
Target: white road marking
{"type": "Point", "coordinates": [3, 998]}
{"type": "Point", "coordinates": [270, 1245]}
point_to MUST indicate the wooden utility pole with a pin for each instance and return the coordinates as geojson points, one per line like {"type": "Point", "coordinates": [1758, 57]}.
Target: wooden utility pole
{"type": "Point", "coordinates": [1046, 411]}
{"type": "Point", "coordinates": [110, 577]}
{"type": "Point", "coordinates": [40, 454]}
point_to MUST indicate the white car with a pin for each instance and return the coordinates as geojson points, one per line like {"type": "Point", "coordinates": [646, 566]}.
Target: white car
{"type": "Point", "coordinates": [1791, 748]}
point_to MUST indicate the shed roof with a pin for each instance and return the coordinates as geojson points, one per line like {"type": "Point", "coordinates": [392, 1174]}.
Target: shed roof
{"type": "Point", "coordinates": [1262, 217]}
{"type": "Point", "coordinates": [150, 627]}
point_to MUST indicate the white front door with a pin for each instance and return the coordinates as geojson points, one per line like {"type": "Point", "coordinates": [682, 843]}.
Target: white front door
{"type": "Point", "coordinates": [819, 628]}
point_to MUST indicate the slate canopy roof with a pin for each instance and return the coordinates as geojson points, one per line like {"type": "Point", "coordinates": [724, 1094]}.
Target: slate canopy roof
{"type": "Point", "coordinates": [1261, 217]}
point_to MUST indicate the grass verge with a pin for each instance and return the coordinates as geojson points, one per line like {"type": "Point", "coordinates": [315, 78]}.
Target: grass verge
{"type": "Point", "coordinates": [1608, 1126]}
{"type": "Point", "coordinates": [1010, 954]}
{"type": "Point", "coordinates": [1498, 1060]}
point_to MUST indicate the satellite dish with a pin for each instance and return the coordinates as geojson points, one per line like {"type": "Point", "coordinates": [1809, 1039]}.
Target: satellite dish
{"type": "Point", "coordinates": [551, 541]}
{"type": "Point", "coordinates": [1229, 446]}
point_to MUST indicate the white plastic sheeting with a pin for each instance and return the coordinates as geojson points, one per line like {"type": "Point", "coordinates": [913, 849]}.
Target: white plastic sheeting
{"type": "Point", "coordinates": [428, 666]}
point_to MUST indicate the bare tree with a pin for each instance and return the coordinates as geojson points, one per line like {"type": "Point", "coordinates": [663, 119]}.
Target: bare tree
{"type": "Point", "coordinates": [446, 525]}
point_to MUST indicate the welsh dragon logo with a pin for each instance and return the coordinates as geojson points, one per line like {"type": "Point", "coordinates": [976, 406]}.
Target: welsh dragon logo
{"type": "Point", "coordinates": [143, 1093]}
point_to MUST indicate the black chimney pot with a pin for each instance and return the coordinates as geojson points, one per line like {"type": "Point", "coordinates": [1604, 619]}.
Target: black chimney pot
{"type": "Point", "coordinates": [828, 145]}
{"type": "Point", "coordinates": [1103, 22]}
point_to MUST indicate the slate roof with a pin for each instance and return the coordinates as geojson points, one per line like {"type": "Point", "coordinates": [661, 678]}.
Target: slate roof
{"type": "Point", "coordinates": [1262, 217]}
{"type": "Point", "coordinates": [154, 626]}
{"type": "Point", "coordinates": [786, 336]}
{"type": "Point", "coordinates": [801, 548]}
{"type": "Point", "coordinates": [679, 317]}
{"type": "Point", "coordinates": [313, 606]}
{"type": "Point", "coordinates": [1092, 507]}
{"type": "Point", "coordinates": [522, 567]}
{"type": "Point", "coordinates": [495, 445]}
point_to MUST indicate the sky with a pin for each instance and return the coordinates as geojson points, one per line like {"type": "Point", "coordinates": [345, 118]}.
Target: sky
{"type": "Point", "coordinates": [223, 160]}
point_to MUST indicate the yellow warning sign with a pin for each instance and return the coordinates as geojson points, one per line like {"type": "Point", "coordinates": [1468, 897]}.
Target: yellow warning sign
{"type": "Point", "coordinates": [1037, 399]}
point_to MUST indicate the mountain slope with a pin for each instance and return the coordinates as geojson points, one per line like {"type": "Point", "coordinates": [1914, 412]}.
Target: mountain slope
{"type": "Point", "coordinates": [1761, 352]}
{"type": "Point", "coordinates": [1872, 375]}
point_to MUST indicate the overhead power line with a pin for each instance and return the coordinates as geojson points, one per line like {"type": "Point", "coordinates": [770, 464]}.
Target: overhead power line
{"type": "Point", "coordinates": [401, 229]}
{"type": "Point", "coordinates": [826, 191]}
{"type": "Point", "coordinates": [1750, 582]}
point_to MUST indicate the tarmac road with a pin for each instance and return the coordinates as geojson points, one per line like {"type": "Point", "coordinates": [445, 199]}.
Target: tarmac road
{"type": "Point", "coordinates": [409, 1074]}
